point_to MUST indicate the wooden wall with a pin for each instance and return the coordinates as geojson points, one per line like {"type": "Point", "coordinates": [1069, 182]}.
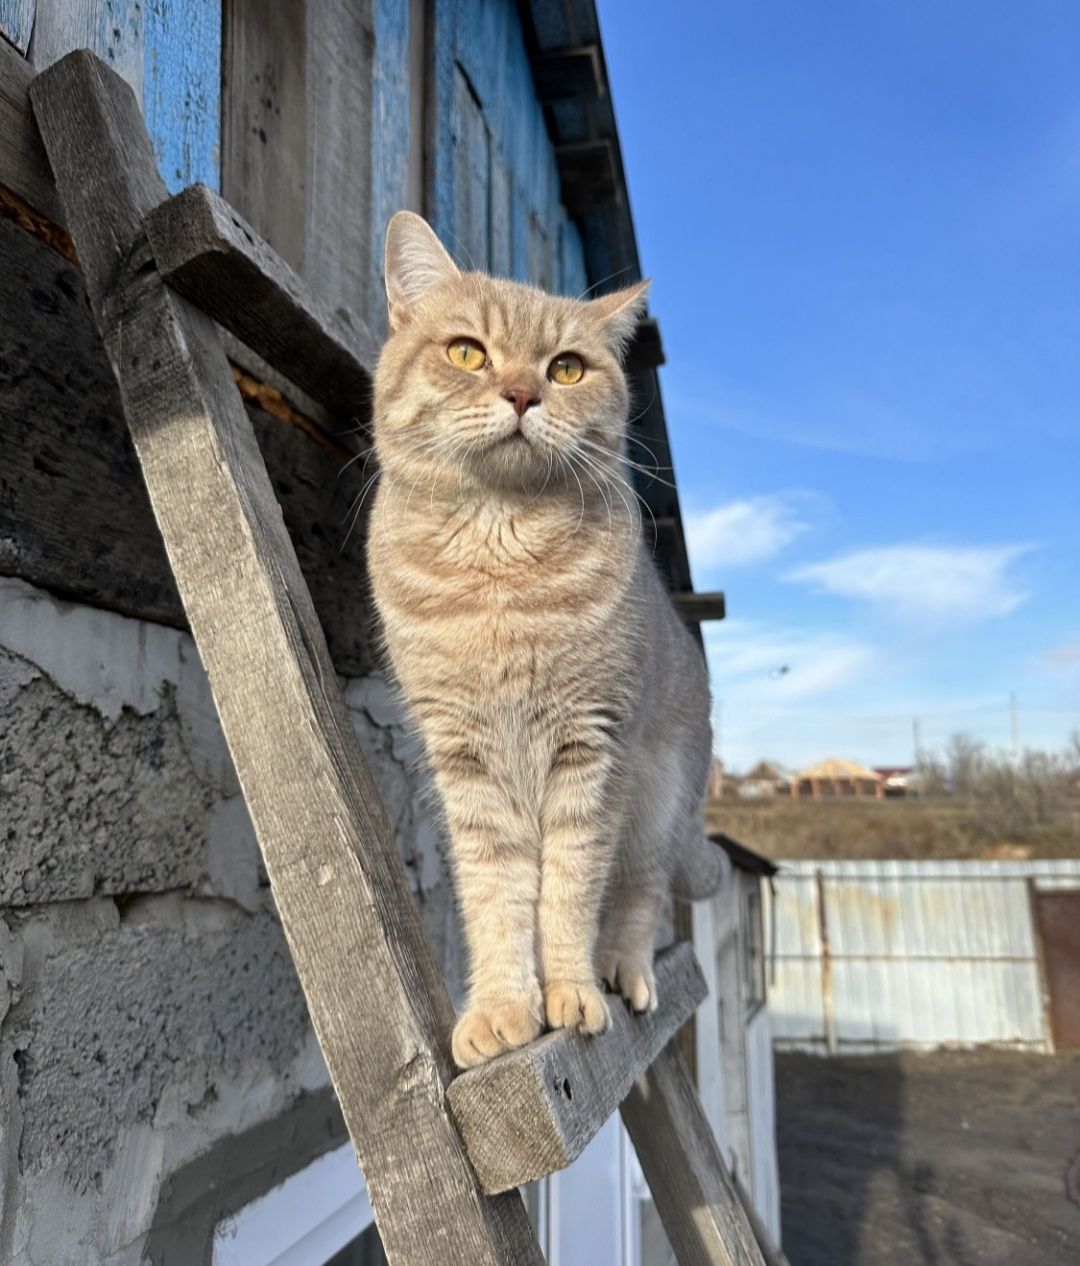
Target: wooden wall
{"type": "Point", "coordinates": [492, 181]}
{"type": "Point", "coordinates": [168, 50]}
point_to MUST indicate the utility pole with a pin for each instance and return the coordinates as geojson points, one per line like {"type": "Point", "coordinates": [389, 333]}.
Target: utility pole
{"type": "Point", "coordinates": [916, 738]}
{"type": "Point", "coordinates": [1014, 726]}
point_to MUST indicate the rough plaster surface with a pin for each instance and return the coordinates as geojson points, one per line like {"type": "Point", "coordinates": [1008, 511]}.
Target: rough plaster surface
{"type": "Point", "coordinates": [148, 1005]}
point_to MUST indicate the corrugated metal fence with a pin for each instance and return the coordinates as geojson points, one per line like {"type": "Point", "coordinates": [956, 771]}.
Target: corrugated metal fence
{"type": "Point", "coordinates": [875, 955]}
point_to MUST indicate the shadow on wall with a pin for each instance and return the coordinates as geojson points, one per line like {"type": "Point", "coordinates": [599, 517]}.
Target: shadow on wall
{"type": "Point", "coordinates": [946, 1158]}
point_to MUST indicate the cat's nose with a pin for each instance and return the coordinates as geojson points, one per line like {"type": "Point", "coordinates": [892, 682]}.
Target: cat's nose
{"type": "Point", "coordinates": [521, 398]}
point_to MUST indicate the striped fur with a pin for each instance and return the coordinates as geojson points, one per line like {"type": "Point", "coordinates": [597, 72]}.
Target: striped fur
{"type": "Point", "coordinates": [561, 703]}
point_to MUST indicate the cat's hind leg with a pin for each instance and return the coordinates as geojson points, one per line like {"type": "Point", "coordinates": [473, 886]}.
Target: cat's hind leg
{"type": "Point", "coordinates": [628, 942]}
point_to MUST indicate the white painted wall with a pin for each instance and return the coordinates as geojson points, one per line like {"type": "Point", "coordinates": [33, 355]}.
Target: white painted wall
{"type": "Point", "coordinates": [921, 954]}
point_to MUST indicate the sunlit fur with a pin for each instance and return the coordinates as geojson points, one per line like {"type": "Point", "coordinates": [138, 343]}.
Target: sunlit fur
{"type": "Point", "coordinates": [562, 704]}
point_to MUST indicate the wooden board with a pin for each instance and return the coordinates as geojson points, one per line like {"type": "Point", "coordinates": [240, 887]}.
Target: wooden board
{"type": "Point", "coordinates": [377, 1001]}
{"type": "Point", "coordinates": [205, 251]}
{"type": "Point", "coordinates": [296, 136]}
{"type": "Point", "coordinates": [703, 1216]}
{"type": "Point", "coordinates": [66, 458]}
{"type": "Point", "coordinates": [170, 54]}
{"type": "Point", "coordinates": [23, 166]}
{"type": "Point", "coordinates": [532, 1111]}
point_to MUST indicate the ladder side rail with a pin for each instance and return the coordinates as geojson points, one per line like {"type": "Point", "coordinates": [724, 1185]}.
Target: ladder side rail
{"type": "Point", "coordinates": [374, 991]}
{"type": "Point", "coordinates": [702, 1214]}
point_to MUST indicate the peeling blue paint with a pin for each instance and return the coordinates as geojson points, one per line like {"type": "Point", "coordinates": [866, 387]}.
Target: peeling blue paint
{"type": "Point", "coordinates": [182, 88]}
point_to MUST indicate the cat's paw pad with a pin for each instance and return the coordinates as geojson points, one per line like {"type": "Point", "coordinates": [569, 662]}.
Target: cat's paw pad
{"type": "Point", "coordinates": [570, 1004]}
{"type": "Point", "coordinates": [487, 1029]}
{"type": "Point", "coordinates": [633, 978]}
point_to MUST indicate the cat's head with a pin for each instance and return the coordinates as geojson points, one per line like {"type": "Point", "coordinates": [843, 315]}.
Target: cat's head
{"type": "Point", "coordinates": [494, 379]}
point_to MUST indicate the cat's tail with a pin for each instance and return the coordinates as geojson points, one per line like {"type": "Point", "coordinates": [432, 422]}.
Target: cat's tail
{"type": "Point", "coordinates": [702, 870]}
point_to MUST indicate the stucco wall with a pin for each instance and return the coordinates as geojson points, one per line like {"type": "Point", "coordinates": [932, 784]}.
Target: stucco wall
{"type": "Point", "coordinates": [149, 1009]}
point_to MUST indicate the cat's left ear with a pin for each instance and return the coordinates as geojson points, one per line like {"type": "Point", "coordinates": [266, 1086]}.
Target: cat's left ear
{"type": "Point", "coordinates": [415, 263]}
{"type": "Point", "coordinates": [620, 311]}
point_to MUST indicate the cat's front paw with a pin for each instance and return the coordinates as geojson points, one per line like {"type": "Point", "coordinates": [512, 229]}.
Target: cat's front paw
{"type": "Point", "coordinates": [489, 1028]}
{"type": "Point", "coordinates": [571, 1004]}
{"type": "Point", "coordinates": [633, 978]}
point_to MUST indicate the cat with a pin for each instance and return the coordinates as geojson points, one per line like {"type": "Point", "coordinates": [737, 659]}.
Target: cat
{"type": "Point", "coordinates": [562, 704]}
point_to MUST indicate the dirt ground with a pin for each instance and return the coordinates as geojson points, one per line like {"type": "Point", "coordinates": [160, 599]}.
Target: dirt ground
{"type": "Point", "coordinates": [932, 828]}
{"type": "Point", "coordinates": [943, 1159]}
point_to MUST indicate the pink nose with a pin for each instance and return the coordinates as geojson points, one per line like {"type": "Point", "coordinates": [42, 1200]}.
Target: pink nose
{"type": "Point", "coordinates": [521, 398]}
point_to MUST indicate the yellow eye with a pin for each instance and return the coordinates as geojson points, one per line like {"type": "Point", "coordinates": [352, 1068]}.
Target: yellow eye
{"type": "Point", "coordinates": [566, 369]}
{"type": "Point", "coordinates": [467, 353]}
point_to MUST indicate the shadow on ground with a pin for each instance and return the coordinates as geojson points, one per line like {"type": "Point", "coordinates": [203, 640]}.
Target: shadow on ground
{"type": "Point", "coordinates": [940, 1159]}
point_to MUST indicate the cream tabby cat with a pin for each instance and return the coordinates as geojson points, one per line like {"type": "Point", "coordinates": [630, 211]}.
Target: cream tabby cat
{"type": "Point", "coordinates": [562, 704]}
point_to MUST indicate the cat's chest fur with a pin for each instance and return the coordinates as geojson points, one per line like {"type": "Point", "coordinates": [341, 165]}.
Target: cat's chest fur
{"type": "Point", "coordinates": [509, 599]}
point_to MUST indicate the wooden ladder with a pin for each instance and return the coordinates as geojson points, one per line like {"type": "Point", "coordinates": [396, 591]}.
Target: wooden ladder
{"type": "Point", "coordinates": [442, 1155]}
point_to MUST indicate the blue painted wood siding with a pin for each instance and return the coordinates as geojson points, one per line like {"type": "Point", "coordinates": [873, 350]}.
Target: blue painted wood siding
{"type": "Point", "coordinates": [168, 50]}
{"type": "Point", "coordinates": [182, 89]}
{"type": "Point", "coordinates": [493, 195]}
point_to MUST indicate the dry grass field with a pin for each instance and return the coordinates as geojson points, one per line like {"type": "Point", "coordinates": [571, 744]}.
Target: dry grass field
{"type": "Point", "coordinates": [929, 828]}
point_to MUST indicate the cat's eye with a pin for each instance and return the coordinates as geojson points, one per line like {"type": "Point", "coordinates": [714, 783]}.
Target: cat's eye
{"type": "Point", "coordinates": [467, 353]}
{"type": "Point", "coordinates": [566, 369]}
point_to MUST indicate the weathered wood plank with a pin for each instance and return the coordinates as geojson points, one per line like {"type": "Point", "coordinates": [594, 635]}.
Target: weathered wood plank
{"type": "Point", "coordinates": [113, 31]}
{"type": "Point", "coordinates": [17, 21]}
{"type": "Point", "coordinates": [392, 138]}
{"type": "Point", "coordinates": [24, 168]}
{"type": "Point", "coordinates": [532, 1111]}
{"type": "Point", "coordinates": [74, 514]}
{"type": "Point", "coordinates": [702, 1214]}
{"type": "Point", "coordinates": [296, 136]}
{"type": "Point", "coordinates": [377, 1001]}
{"type": "Point", "coordinates": [340, 47]}
{"type": "Point", "coordinates": [205, 251]}
{"type": "Point", "coordinates": [264, 120]}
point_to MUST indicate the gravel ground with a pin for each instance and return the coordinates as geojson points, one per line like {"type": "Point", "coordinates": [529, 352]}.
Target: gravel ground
{"type": "Point", "coordinates": [942, 1159]}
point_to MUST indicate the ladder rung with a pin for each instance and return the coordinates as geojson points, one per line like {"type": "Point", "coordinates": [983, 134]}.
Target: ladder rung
{"type": "Point", "coordinates": [532, 1111]}
{"type": "Point", "coordinates": [206, 252]}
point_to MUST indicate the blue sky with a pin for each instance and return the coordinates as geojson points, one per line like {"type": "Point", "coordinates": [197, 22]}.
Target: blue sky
{"type": "Point", "coordinates": [863, 225]}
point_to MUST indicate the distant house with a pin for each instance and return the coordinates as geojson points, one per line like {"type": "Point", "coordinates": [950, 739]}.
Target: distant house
{"type": "Point", "coordinates": [897, 780]}
{"type": "Point", "coordinates": [765, 780]}
{"type": "Point", "coordinates": [835, 779]}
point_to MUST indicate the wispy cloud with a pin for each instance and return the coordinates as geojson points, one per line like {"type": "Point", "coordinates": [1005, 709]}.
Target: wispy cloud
{"type": "Point", "coordinates": [763, 666]}
{"type": "Point", "coordinates": [1066, 656]}
{"type": "Point", "coordinates": [749, 530]}
{"type": "Point", "coordinates": [938, 583]}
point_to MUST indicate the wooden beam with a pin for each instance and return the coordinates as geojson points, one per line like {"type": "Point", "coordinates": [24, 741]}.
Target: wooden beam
{"type": "Point", "coordinates": [211, 256]}
{"type": "Point", "coordinates": [532, 1111]}
{"type": "Point", "coordinates": [698, 607]}
{"type": "Point", "coordinates": [376, 998]}
{"type": "Point", "coordinates": [24, 169]}
{"type": "Point", "coordinates": [646, 350]}
{"type": "Point", "coordinates": [697, 1202]}
{"type": "Point", "coordinates": [587, 175]}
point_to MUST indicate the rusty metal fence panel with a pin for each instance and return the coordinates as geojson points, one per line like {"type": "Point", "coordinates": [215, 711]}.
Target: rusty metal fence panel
{"type": "Point", "coordinates": [878, 955]}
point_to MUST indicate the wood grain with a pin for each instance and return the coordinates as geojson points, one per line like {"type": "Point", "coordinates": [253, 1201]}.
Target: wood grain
{"type": "Point", "coordinates": [701, 1211]}
{"type": "Point", "coordinates": [532, 1111]}
{"type": "Point", "coordinates": [205, 251]}
{"type": "Point", "coordinates": [296, 136]}
{"type": "Point", "coordinates": [24, 168]}
{"type": "Point", "coordinates": [377, 1001]}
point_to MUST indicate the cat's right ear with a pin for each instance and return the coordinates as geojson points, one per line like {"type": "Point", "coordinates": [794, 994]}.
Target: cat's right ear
{"type": "Point", "coordinates": [415, 263]}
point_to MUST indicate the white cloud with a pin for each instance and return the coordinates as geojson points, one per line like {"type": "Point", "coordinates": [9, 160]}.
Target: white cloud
{"type": "Point", "coordinates": [936, 583]}
{"type": "Point", "coordinates": [741, 532]}
{"type": "Point", "coordinates": [762, 666]}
